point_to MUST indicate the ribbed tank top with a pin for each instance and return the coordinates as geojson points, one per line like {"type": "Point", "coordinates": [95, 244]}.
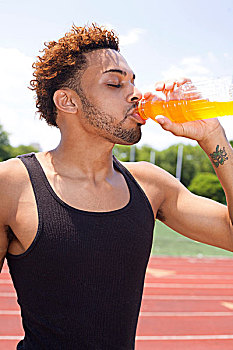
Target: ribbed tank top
{"type": "Point", "coordinates": [80, 283]}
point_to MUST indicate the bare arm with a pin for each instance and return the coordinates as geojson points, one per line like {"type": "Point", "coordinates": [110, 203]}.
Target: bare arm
{"type": "Point", "coordinates": [3, 245]}
{"type": "Point", "coordinates": [9, 189]}
{"type": "Point", "coordinates": [4, 242]}
{"type": "Point", "coordinates": [195, 217]}
{"type": "Point", "coordinates": [200, 218]}
{"type": "Point", "coordinates": [220, 153]}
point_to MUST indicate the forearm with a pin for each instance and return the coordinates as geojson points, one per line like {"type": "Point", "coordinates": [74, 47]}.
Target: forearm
{"type": "Point", "coordinates": [220, 154]}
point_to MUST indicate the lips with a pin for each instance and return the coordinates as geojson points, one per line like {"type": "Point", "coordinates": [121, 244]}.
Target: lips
{"type": "Point", "coordinates": [135, 115]}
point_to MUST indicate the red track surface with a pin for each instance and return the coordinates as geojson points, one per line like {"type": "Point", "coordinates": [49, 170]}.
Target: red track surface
{"type": "Point", "coordinates": [187, 304]}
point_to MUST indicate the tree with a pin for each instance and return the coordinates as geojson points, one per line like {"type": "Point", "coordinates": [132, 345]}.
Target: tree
{"type": "Point", "coordinates": [166, 159]}
{"type": "Point", "coordinates": [122, 152]}
{"type": "Point", "coordinates": [22, 149]}
{"type": "Point", "coordinates": [7, 151]}
{"type": "Point", "coordinates": [5, 147]}
{"type": "Point", "coordinates": [4, 137]}
{"type": "Point", "coordinates": [195, 160]}
{"type": "Point", "coordinates": [143, 153]}
{"type": "Point", "coordinates": [208, 185]}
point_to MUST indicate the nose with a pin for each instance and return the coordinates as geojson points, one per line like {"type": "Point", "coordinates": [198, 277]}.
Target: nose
{"type": "Point", "coordinates": [136, 96]}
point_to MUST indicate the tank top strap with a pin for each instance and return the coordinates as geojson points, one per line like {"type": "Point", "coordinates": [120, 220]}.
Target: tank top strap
{"type": "Point", "coordinates": [126, 173]}
{"type": "Point", "coordinates": [36, 175]}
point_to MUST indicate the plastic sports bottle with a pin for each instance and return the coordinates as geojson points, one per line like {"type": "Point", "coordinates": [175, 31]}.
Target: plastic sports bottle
{"type": "Point", "coordinates": [192, 101]}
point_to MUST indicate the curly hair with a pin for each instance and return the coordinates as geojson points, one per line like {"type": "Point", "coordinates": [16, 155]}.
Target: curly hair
{"type": "Point", "coordinates": [61, 62]}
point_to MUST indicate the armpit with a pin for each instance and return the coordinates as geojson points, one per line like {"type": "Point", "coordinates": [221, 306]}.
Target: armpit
{"type": "Point", "coordinates": [160, 215]}
{"type": "Point", "coordinates": [10, 234]}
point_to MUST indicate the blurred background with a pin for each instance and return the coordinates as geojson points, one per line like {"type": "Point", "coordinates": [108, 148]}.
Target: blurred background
{"type": "Point", "coordinates": [160, 40]}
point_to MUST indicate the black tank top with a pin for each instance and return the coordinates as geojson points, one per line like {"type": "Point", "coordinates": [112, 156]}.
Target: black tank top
{"type": "Point", "coordinates": [80, 283]}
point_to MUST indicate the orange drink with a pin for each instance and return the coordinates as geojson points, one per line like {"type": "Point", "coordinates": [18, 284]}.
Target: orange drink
{"type": "Point", "coordinates": [181, 111]}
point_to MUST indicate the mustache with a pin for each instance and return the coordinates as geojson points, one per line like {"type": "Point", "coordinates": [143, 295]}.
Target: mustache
{"type": "Point", "coordinates": [131, 108]}
{"type": "Point", "coordinates": [134, 106]}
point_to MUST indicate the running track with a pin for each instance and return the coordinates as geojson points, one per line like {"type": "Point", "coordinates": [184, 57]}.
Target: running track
{"type": "Point", "coordinates": [187, 304]}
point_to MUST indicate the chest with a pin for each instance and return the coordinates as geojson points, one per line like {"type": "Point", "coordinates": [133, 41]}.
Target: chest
{"type": "Point", "coordinates": [105, 198]}
{"type": "Point", "coordinates": [94, 197]}
{"type": "Point", "coordinates": [84, 237]}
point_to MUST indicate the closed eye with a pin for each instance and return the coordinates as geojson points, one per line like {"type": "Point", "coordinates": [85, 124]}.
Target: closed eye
{"type": "Point", "coordinates": [115, 85]}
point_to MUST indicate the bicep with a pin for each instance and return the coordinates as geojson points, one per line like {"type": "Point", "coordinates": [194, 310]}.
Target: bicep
{"type": "Point", "coordinates": [198, 218]}
{"type": "Point", "coordinates": [195, 217]}
{"type": "Point", "coordinates": [8, 196]}
{"type": "Point", "coordinates": [4, 242]}
{"type": "Point", "coordinates": [4, 238]}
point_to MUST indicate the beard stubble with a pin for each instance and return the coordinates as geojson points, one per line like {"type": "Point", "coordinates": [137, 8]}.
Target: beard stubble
{"type": "Point", "coordinates": [105, 122]}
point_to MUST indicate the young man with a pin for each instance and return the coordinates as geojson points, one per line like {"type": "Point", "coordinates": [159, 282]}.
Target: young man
{"type": "Point", "coordinates": [75, 224]}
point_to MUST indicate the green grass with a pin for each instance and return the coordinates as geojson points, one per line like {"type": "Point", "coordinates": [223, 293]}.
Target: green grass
{"type": "Point", "coordinates": [168, 242]}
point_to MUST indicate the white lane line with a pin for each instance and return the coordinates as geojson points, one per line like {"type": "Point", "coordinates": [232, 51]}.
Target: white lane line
{"type": "Point", "coordinates": [10, 337]}
{"type": "Point", "coordinates": [152, 314]}
{"type": "Point", "coordinates": [186, 297]}
{"type": "Point", "coordinates": [227, 305]}
{"type": "Point", "coordinates": [187, 285]}
{"type": "Point", "coordinates": [153, 337]}
{"type": "Point", "coordinates": [160, 272]}
{"type": "Point", "coordinates": [10, 312]}
{"type": "Point", "coordinates": [168, 274]}
{"type": "Point", "coordinates": [186, 314]}
{"type": "Point", "coordinates": [186, 337]}
{"type": "Point", "coordinates": [6, 281]}
{"type": "Point", "coordinates": [198, 277]}
{"type": "Point", "coordinates": [181, 259]}
{"type": "Point", "coordinates": [7, 295]}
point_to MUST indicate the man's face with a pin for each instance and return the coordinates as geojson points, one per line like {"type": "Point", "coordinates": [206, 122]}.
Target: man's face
{"type": "Point", "coordinates": [109, 97]}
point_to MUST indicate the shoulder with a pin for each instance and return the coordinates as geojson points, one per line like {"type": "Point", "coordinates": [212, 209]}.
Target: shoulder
{"type": "Point", "coordinates": [159, 186]}
{"type": "Point", "coordinates": [13, 180]}
{"type": "Point", "coordinates": [12, 172]}
{"type": "Point", "coordinates": [149, 173]}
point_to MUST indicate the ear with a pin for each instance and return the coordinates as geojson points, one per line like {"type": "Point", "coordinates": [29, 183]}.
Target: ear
{"type": "Point", "coordinates": [65, 101]}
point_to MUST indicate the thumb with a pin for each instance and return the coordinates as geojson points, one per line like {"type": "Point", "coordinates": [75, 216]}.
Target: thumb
{"type": "Point", "coordinates": [175, 128]}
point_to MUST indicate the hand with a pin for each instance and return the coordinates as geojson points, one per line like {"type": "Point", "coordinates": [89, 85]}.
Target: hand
{"type": "Point", "coordinates": [196, 130]}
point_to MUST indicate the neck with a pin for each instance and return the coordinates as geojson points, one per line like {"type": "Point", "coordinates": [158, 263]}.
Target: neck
{"type": "Point", "coordinates": [81, 156]}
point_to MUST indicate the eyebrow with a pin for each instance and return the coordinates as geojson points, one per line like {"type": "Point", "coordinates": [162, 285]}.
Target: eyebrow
{"type": "Point", "coordinates": [118, 71]}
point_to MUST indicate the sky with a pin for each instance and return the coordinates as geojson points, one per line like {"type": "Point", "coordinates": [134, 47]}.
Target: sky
{"type": "Point", "coordinates": [159, 39]}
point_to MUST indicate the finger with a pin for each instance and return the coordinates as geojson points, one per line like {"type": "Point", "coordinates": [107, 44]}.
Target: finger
{"type": "Point", "coordinates": [182, 81]}
{"type": "Point", "coordinates": [160, 119]}
{"type": "Point", "coordinates": [175, 128]}
{"type": "Point", "coordinates": [169, 85]}
{"type": "Point", "coordinates": [147, 95]}
{"type": "Point", "coordinates": [159, 86]}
